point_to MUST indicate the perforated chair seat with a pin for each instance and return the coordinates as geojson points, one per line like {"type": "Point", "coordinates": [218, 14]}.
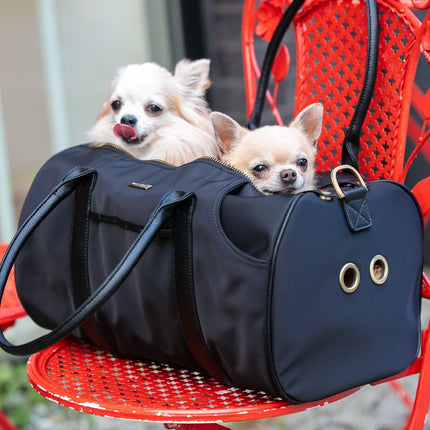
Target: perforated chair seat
{"type": "Point", "coordinates": [77, 375]}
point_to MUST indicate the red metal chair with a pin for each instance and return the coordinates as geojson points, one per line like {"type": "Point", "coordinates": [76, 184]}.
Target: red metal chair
{"type": "Point", "coordinates": [330, 41]}
{"type": "Point", "coordinates": [10, 311]}
{"type": "Point", "coordinates": [79, 376]}
{"type": "Point", "coordinates": [330, 57]}
{"type": "Point", "coordinates": [11, 308]}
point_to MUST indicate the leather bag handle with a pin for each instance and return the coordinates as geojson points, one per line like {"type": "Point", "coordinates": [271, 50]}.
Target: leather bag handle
{"type": "Point", "coordinates": [351, 144]}
{"type": "Point", "coordinates": [78, 176]}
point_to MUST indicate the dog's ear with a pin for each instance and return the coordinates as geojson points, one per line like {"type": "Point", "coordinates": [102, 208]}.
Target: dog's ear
{"type": "Point", "coordinates": [193, 76]}
{"type": "Point", "coordinates": [309, 121]}
{"type": "Point", "coordinates": [227, 131]}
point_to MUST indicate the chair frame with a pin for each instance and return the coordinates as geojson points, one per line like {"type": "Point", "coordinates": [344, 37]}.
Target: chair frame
{"type": "Point", "coordinates": [10, 311]}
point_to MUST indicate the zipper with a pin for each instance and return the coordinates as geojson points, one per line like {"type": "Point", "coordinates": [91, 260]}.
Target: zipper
{"type": "Point", "coordinates": [234, 169]}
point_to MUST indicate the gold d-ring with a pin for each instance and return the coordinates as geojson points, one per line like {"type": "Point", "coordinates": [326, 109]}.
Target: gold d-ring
{"type": "Point", "coordinates": [336, 186]}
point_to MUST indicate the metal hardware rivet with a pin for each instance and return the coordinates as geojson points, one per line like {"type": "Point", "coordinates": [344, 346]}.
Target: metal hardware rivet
{"type": "Point", "coordinates": [140, 185]}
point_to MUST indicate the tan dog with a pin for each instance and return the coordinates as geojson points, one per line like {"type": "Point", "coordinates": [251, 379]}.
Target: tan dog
{"type": "Point", "coordinates": [156, 115]}
{"type": "Point", "coordinates": [277, 159]}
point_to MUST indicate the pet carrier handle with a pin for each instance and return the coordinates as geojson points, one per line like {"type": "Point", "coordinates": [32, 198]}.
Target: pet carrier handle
{"type": "Point", "coordinates": [164, 212]}
{"type": "Point", "coordinates": [351, 143]}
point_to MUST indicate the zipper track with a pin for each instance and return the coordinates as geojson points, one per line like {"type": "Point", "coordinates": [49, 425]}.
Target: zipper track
{"type": "Point", "coordinates": [234, 169]}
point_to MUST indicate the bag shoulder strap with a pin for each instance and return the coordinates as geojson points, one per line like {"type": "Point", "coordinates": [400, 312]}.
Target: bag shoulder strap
{"type": "Point", "coordinates": [351, 143]}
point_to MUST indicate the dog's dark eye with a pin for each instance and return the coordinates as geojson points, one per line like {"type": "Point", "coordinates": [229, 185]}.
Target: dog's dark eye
{"type": "Point", "coordinates": [116, 105]}
{"type": "Point", "coordinates": [302, 163]}
{"type": "Point", "coordinates": [259, 168]}
{"type": "Point", "coordinates": [154, 109]}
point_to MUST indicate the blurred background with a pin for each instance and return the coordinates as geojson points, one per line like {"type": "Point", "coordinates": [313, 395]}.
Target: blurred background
{"type": "Point", "coordinates": [58, 58]}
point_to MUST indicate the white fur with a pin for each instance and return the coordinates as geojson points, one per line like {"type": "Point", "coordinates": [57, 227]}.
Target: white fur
{"type": "Point", "coordinates": [181, 132]}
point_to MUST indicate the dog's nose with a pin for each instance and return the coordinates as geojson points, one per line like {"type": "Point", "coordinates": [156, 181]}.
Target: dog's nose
{"type": "Point", "coordinates": [289, 176]}
{"type": "Point", "coordinates": [130, 120]}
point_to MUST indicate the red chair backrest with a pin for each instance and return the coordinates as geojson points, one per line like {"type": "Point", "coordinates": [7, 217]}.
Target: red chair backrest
{"type": "Point", "coordinates": [331, 43]}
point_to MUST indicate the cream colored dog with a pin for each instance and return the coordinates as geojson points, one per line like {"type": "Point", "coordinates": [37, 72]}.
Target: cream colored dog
{"type": "Point", "coordinates": [277, 159]}
{"type": "Point", "coordinates": [153, 114]}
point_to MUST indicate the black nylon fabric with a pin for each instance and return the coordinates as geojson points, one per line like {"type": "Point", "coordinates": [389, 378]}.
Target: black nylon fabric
{"type": "Point", "coordinates": [268, 300]}
{"type": "Point", "coordinates": [306, 291]}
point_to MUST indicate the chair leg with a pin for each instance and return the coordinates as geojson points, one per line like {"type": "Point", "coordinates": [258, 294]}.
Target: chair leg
{"type": "Point", "coordinates": [402, 393]}
{"type": "Point", "coordinates": [5, 424]}
{"type": "Point", "coordinates": [422, 397]}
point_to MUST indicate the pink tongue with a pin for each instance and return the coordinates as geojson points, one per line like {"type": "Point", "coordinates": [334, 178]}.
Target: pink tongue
{"type": "Point", "coordinates": [124, 131]}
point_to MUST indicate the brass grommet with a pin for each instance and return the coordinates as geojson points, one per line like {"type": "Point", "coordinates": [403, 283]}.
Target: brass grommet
{"type": "Point", "coordinates": [378, 269]}
{"type": "Point", "coordinates": [349, 278]}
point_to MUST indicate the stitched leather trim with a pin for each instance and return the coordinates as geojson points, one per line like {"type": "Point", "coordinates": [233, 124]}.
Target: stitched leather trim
{"type": "Point", "coordinates": [356, 211]}
{"type": "Point", "coordinates": [269, 336]}
{"type": "Point", "coordinates": [109, 219]}
{"type": "Point", "coordinates": [126, 225]}
{"type": "Point", "coordinates": [185, 294]}
{"type": "Point", "coordinates": [89, 330]}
